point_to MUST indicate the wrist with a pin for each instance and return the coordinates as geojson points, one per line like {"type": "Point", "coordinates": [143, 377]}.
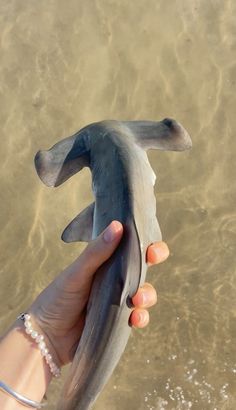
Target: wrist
{"type": "Point", "coordinates": [22, 367]}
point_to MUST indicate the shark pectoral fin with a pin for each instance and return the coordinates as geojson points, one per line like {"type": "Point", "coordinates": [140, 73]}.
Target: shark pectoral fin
{"type": "Point", "coordinates": [81, 228]}
{"type": "Point", "coordinates": [63, 160]}
{"type": "Point", "coordinates": [166, 135]}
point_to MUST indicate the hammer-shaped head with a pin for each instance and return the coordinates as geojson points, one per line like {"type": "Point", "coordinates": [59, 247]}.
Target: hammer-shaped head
{"type": "Point", "coordinates": [70, 155]}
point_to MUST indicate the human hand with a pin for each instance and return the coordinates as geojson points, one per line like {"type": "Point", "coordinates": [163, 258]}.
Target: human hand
{"type": "Point", "coordinates": [59, 311]}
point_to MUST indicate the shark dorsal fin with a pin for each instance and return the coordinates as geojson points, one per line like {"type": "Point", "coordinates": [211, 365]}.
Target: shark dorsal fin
{"type": "Point", "coordinates": [81, 228]}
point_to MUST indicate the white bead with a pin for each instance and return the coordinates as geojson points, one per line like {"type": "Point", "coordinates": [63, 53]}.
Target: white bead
{"type": "Point", "coordinates": [27, 316]}
{"type": "Point", "coordinates": [44, 351]}
{"type": "Point", "coordinates": [42, 345]}
{"type": "Point", "coordinates": [34, 334]}
{"type": "Point", "coordinates": [28, 331]}
{"type": "Point", "coordinates": [56, 372]}
{"type": "Point", "coordinates": [39, 338]}
{"type": "Point", "coordinates": [28, 324]}
{"type": "Point", "coordinates": [48, 358]}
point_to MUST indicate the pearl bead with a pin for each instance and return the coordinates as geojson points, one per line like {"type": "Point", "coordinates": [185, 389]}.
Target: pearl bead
{"type": "Point", "coordinates": [42, 345]}
{"type": "Point", "coordinates": [34, 334]}
{"type": "Point", "coordinates": [39, 338]}
{"type": "Point", "coordinates": [44, 351]}
{"type": "Point", "coordinates": [28, 331]}
{"type": "Point", "coordinates": [48, 358]}
{"type": "Point", "coordinates": [27, 316]}
{"type": "Point", "coordinates": [28, 324]}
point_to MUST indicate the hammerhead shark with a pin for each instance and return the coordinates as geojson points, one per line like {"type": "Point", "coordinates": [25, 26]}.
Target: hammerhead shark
{"type": "Point", "coordinates": [123, 186]}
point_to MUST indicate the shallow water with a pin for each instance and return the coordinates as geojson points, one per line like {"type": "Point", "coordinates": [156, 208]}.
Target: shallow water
{"type": "Point", "coordinates": [64, 65]}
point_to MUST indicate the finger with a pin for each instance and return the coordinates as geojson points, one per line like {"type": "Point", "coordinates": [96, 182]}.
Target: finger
{"type": "Point", "coordinates": [157, 252]}
{"type": "Point", "coordinates": [98, 251]}
{"type": "Point", "coordinates": [139, 318]}
{"type": "Point", "coordinates": [145, 297]}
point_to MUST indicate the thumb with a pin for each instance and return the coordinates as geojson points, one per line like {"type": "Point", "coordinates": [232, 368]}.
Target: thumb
{"type": "Point", "coordinates": [97, 252]}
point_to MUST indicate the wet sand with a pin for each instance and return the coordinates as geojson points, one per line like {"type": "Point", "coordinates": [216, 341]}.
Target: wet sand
{"type": "Point", "coordinates": [64, 65]}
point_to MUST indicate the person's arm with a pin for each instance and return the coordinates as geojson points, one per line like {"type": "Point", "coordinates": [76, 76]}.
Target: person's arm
{"type": "Point", "coordinates": [22, 367]}
{"type": "Point", "coordinates": [58, 314]}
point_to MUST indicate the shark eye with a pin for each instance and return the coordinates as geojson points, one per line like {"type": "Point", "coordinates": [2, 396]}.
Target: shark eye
{"type": "Point", "coordinates": [168, 122]}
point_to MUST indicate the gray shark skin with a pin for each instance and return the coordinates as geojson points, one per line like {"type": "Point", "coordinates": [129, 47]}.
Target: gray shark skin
{"type": "Point", "coordinates": [123, 182]}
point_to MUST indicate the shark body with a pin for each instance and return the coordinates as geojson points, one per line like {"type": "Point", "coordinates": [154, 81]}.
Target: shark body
{"type": "Point", "coordinates": [123, 182]}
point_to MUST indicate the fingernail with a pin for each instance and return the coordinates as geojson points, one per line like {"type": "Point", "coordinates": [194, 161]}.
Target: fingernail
{"type": "Point", "coordinates": [142, 318]}
{"type": "Point", "coordinates": [157, 253]}
{"type": "Point", "coordinates": [111, 231]}
{"type": "Point", "coordinates": [144, 298]}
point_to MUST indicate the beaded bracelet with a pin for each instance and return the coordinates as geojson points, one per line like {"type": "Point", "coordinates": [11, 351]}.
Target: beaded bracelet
{"type": "Point", "coordinates": [39, 339]}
